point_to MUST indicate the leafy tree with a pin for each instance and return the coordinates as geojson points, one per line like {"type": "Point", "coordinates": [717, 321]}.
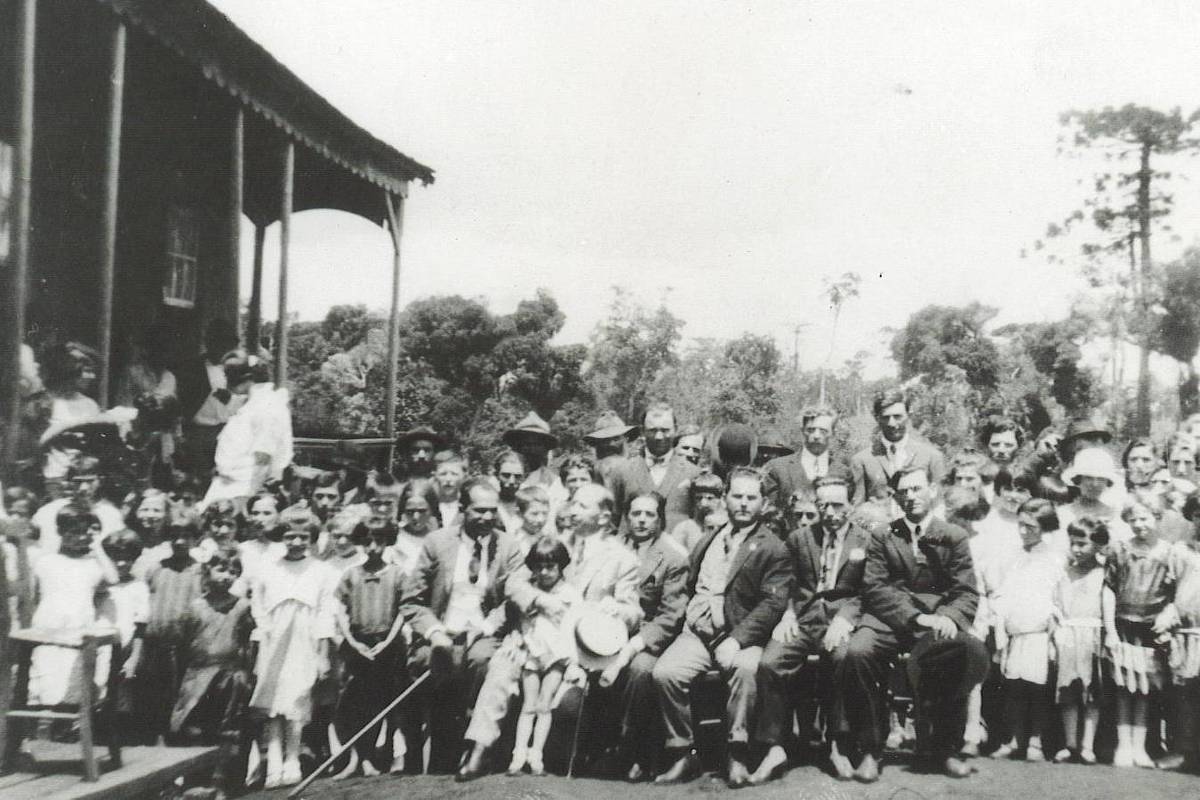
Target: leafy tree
{"type": "Point", "coordinates": [1055, 352]}
{"type": "Point", "coordinates": [746, 390]}
{"type": "Point", "coordinates": [630, 349]}
{"type": "Point", "coordinates": [938, 337]}
{"type": "Point", "coordinates": [1177, 333]}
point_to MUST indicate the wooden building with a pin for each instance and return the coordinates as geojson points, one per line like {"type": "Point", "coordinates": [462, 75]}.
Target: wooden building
{"type": "Point", "coordinates": [134, 136]}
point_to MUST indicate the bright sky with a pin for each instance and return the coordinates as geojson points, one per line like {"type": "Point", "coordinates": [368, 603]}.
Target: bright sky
{"type": "Point", "coordinates": [728, 155]}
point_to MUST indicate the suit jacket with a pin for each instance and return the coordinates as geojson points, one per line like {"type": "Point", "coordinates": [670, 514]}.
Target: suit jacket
{"type": "Point", "coordinates": [784, 475]}
{"type": "Point", "coordinates": [844, 600]}
{"type": "Point", "coordinates": [631, 476]}
{"type": "Point", "coordinates": [426, 593]}
{"type": "Point", "coordinates": [888, 595]}
{"type": "Point", "coordinates": [192, 386]}
{"type": "Point", "coordinates": [662, 593]}
{"type": "Point", "coordinates": [757, 585]}
{"type": "Point", "coordinates": [869, 468]}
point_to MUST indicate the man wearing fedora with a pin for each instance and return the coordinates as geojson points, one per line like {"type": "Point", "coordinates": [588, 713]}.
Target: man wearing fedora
{"type": "Point", "coordinates": [660, 469]}
{"type": "Point", "coordinates": [532, 439]}
{"type": "Point", "coordinates": [897, 447]}
{"type": "Point", "coordinates": [417, 448]}
{"type": "Point", "coordinates": [626, 695]}
{"type": "Point", "coordinates": [740, 578]}
{"type": "Point", "coordinates": [797, 472]}
{"type": "Point", "coordinates": [919, 595]}
{"type": "Point", "coordinates": [463, 574]}
{"type": "Point", "coordinates": [828, 560]}
{"type": "Point", "coordinates": [610, 441]}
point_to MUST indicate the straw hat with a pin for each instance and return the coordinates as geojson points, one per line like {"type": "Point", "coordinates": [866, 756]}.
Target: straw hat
{"type": "Point", "coordinates": [599, 638]}
{"type": "Point", "coordinates": [1093, 462]}
{"type": "Point", "coordinates": [610, 426]}
{"type": "Point", "coordinates": [532, 426]}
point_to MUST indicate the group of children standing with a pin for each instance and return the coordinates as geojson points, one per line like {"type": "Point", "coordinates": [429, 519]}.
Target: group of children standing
{"type": "Point", "coordinates": [1109, 622]}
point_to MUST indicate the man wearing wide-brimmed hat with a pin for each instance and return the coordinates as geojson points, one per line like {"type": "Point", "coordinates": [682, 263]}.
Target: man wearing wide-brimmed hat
{"type": "Point", "coordinates": [531, 437]}
{"type": "Point", "coordinates": [658, 470]}
{"type": "Point", "coordinates": [417, 448]}
{"type": "Point", "coordinates": [610, 440]}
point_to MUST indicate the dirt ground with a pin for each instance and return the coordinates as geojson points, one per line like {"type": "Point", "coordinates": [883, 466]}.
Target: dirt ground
{"type": "Point", "coordinates": [995, 779]}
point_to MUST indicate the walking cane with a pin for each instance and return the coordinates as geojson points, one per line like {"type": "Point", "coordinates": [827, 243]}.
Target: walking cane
{"type": "Point", "coordinates": [346, 745]}
{"type": "Point", "coordinates": [578, 727]}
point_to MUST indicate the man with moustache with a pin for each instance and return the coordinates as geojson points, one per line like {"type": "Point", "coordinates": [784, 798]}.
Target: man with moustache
{"type": "Point", "coordinates": [828, 560]}
{"type": "Point", "coordinates": [627, 685]}
{"type": "Point", "coordinates": [919, 595]}
{"type": "Point", "coordinates": [897, 447]}
{"type": "Point", "coordinates": [660, 469]}
{"type": "Point", "coordinates": [462, 576]}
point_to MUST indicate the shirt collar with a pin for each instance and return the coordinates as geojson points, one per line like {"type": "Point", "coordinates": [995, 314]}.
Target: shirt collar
{"type": "Point", "coordinates": [661, 461]}
{"type": "Point", "coordinates": [900, 445]}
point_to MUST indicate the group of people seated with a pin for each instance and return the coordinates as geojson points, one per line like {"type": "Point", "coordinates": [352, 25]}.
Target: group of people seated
{"type": "Point", "coordinates": [1032, 598]}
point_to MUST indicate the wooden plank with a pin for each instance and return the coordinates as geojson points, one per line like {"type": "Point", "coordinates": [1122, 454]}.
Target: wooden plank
{"type": "Point", "coordinates": [108, 211]}
{"type": "Point", "coordinates": [145, 771]}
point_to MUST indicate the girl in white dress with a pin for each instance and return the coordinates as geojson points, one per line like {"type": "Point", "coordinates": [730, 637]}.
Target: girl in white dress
{"type": "Point", "coordinates": [549, 646]}
{"type": "Point", "coordinates": [66, 583]}
{"type": "Point", "coordinates": [1025, 606]}
{"type": "Point", "coordinates": [293, 608]}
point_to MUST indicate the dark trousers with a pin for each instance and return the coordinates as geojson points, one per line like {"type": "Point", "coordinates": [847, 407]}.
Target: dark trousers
{"type": "Point", "coordinates": [450, 696]}
{"type": "Point", "coordinates": [198, 449]}
{"type": "Point", "coordinates": [626, 714]}
{"type": "Point", "coordinates": [779, 689]}
{"type": "Point", "coordinates": [370, 685]}
{"type": "Point", "coordinates": [941, 672]}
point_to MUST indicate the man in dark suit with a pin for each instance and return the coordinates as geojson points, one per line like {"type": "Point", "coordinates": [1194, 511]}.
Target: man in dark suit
{"type": "Point", "coordinates": [799, 471]}
{"type": "Point", "coordinates": [205, 402]}
{"type": "Point", "coordinates": [828, 560]}
{"type": "Point", "coordinates": [919, 595]}
{"type": "Point", "coordinates": [659, 470]}
{"type": "Point", "coordinates": [739, 581]}
{"type": "Point", "coordinates": [454, 602]}
{"type": "Point", "coordinates": [871, 469]}
{"type": "Point", "coordinates": [628, 685]}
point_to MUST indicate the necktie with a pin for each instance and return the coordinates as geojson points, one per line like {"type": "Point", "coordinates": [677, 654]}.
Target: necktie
{"type": "Point", "coordinates": [577, 558]}
{"type": "Point", "coordinates": [476, 560]}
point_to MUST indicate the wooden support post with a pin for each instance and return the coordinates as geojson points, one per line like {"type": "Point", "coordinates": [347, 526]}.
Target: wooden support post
{"type": "Point", "coordinates": [230, 304]}
{"type": "Point", "coordinates": [16, 288]}
{"type": "Point", "coordinates": [285, 230]}
{"type": "Point", "coordinates": [395, 218]}
{"type": "Point", "coordinates": [108, 212]}
{"type": "Point", "coordinates": [254, 316]}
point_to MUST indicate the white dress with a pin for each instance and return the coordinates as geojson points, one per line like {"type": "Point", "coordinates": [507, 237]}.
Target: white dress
{"type": "Point", "coordinates": [262, 425]}
{"type": "Point", "coordinates": [67, 604]}
{"type": "Point", "coordinates": [293, 607]}
{"type": "Point", "coordinates": [1025, 603]}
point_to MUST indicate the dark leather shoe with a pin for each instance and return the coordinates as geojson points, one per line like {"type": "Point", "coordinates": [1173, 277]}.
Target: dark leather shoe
{"type": "Point", "coordinates": [473, 768]}
{"type": "Point", "coordinates": [737, 775]}
{"type": "Point", "coordinates": [957, 768]}
{"type": "Point", "coordinates": [682, 771]}
{"type": "Point", "coordinates": [637, 773]}
{"type": "Point", "coordinates": [868, 770]}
